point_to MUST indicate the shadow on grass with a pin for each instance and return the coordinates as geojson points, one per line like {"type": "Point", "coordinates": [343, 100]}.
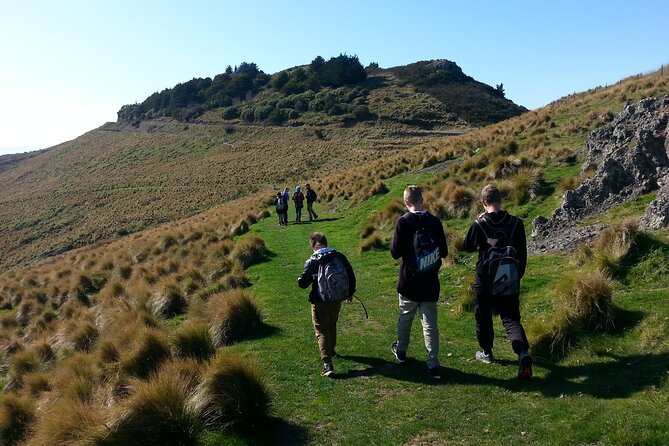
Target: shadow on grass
{"type": "Point", "coordinates": [318, 220]}
{"type": "Point", "coordinates": [620, 377]}
{"type": "Point", "coordinates": [270, 431]}
{"type": "Point", "coordinates": [263, 331]}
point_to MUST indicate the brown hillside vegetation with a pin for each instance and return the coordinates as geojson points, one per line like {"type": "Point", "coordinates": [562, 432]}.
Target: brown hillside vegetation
{"type": "Point", "coordinates": [127, 176]}
{"type": "Point", "coordinates": [119, 179]}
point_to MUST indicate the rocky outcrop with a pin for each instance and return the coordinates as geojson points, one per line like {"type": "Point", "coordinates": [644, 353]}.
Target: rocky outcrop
{"type": "Point", "coordinates": [630, 157]}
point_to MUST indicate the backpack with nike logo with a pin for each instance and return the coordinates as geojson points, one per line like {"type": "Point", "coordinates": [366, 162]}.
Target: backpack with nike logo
{"type": "Point", "coordinates": [424, 254]}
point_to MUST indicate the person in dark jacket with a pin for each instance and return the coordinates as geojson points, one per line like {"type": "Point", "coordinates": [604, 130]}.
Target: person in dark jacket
{"type": "Point", "coordinates": [418, 291]}
{"type": "Point", "coordinates": [508, 307]}
{"type": "Point", "coordinates": [310, 195]}
{"type": "Point", "coordinates": [298, 198]}
{"type": "Point", "coordinates": [324, 315]}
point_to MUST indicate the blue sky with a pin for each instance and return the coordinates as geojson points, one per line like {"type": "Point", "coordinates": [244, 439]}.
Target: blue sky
{"type": "Point", "coordinates": [67, 66]}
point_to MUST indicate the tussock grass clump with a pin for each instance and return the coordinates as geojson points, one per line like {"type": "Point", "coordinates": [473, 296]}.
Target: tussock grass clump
{"type": "Point", "coordinates": [250, 250]}
{"type": "Point", "coordinates": [36, 383]}
{"type": "Point", "coordinates": [167, 301]}
{"type": "Point", "coordinates": [68, 422]}
{"type": "Point", "coordinates": [232, 392]}
{"type": "Point", "coordinates": [373, 242]}
{"type": "Point", "coordinates": [569, 183]}
{"type": "Point", "coordinates": [193, 341]}
{"type": "Point", "coordinates": [149, 351]}
{"type": "Point", "coordinates": [527, 184]}
{"type": "Point", "coordinates": [156, 413]}
{"type": "Point", "coordinates": [614, 244]}
{"type": "Point", "coordinates": [584, 306]}
{"type": "Point", "coordinates": [452, 200]}
{"type": "Point", "coordinates": [83, 335]}
{"type": "Point", "coordinates": [233, 315]}
{"type": "Point", "coordinates": [16, 415]}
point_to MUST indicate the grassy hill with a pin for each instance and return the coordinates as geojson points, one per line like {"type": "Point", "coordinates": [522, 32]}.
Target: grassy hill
{"type": "Point", "coordinates": [74, 329]}
{"type": "Point", "coordinates": [137, 173]}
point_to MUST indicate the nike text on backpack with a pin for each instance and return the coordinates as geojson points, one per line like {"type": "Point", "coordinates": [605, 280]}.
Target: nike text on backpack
{"type": "Point", "coordinates": [500, 262]}
{"type": "Point", "coordinates": [425, 255]}
{"type": "Point", "coordinates": [332, 281]}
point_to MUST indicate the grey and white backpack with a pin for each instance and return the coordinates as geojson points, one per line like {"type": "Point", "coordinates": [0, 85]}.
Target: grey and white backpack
{"type": "Point", "coordinates": [332, 281]}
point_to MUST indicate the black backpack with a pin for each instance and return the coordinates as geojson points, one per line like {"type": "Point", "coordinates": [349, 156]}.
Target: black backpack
{"type": "Point", "coordinates": [311, 196]}
{"type": "Point", "coordinates": [332, 281]}
{"type": "Point", "coordinates": [281, 205]}
{"type": "Point", "coordinates": [424, 255]}
{"type": "Point", "coordinates": [500, 264]}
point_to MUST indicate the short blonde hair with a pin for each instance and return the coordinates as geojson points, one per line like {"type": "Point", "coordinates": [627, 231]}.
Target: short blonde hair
{"type": "Point", "coordinates": [413, 194]}
{"type": "Point", "coordinates": [490, 194]}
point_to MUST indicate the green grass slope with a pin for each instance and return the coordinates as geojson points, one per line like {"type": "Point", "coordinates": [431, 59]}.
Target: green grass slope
{"type": "Point", "coordinates": [611, 389]}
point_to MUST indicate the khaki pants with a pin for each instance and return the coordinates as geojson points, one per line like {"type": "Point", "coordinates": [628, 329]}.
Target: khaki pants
{"type": "Point", "coordinates": [325, 316]}
{"type": "Point", "coordinates": [428, 318]}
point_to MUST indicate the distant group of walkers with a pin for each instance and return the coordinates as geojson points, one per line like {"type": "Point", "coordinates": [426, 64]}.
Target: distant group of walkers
{"type": "Point", "coordinates": [419, 241]}
{"type": "Point", "coordinates": [282, 200]}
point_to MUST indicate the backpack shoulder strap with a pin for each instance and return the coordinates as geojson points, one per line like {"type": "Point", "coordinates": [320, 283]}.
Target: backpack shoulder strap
{"type": "Point", "coordinates": [485, 227]}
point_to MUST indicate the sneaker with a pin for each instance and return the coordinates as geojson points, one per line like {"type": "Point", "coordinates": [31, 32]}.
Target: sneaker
{"type": "Point", "coordinates": [328, 369]}
{"type": "Point", "coordinates": [399, 356]}
{"type": "Point", "coordinates": [524, 366]}
{"type": "Point", "coordinates": [481, 356]}
{"type": "Point", "coordinates": [434, 373]}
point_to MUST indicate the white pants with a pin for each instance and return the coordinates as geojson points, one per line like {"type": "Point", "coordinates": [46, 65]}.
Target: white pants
{"type": "Point", "coordinates": [428, 318]}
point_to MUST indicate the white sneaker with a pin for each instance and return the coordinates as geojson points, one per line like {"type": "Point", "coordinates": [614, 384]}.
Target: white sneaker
{"type": "Point", "coordinates": [481, 356]}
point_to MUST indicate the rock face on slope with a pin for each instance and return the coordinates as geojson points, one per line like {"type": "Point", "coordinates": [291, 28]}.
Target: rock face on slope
{"type": "Point", "coordinates": [630, 157]}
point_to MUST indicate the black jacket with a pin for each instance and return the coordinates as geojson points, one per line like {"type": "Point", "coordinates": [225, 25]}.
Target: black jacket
{"type": "Point", "coordinates": [426, 287]}
{"type": "Point", "coordinates": [476, 239]}
{"type": "Point", "coordinates": [310, 274]}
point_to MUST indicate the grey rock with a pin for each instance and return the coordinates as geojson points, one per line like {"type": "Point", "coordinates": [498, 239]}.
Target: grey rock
{"type": "Point", "coordinates": [630, 157]}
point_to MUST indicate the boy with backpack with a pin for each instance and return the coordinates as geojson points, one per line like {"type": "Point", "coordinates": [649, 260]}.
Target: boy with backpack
{"type": "Point", "coordinates": [311, 198]}
{"type": "Point", "coordinates": [500, 240]}
{"type": "Point", "coordinates": [332, 281]}
{"type": "Point", "coordinates": [281, 209]}
{"type": "Point", "coordinates": [298, 198]}
{"type": "Point", "coordinates": [420, 242]}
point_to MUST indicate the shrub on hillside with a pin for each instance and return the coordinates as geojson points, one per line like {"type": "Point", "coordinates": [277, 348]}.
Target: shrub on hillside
{"type": "Point", "coordinates": [193, 341]}
{"type": "Point", "coordinates": [527, 184]}
{"type": "Point", "coordinates": [233, 315]}
{"type": "Point", "coordinates": [16, 416]}
{"type": "Point", "coordinates": [232, 392]}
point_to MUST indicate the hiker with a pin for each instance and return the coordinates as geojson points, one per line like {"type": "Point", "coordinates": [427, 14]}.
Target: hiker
{"type": "Point", "coordinates": [281, 209]}
{"type": "Point", "coordinates": [298, 198]}
{"type": "Point", "coordinates": [311, 198]}
{"type": "Point", "coordinates": [420, 242]}
{"type": "Point", "coordinates": [332, 281]}
{"type": "Point", "coordinates": [500, 240]}
{"type": "Point", "coordinates": [286, 198]}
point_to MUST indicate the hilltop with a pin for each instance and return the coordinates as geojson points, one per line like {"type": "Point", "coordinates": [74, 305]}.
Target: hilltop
{"type": "Point", "coordinates": [204, 142]}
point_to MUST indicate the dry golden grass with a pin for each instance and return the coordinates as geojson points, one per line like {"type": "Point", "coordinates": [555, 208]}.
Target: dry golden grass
{"type": "Point", "coordinates": [16, 416]}
{"type": "Point", "coordinates": [232, 315]}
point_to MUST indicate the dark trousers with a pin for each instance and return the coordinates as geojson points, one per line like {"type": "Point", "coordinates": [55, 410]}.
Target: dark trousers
{"type": "Point", "coordinates": [325, 316]}
{"type": "Point", "coordinates": [508, 308]}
